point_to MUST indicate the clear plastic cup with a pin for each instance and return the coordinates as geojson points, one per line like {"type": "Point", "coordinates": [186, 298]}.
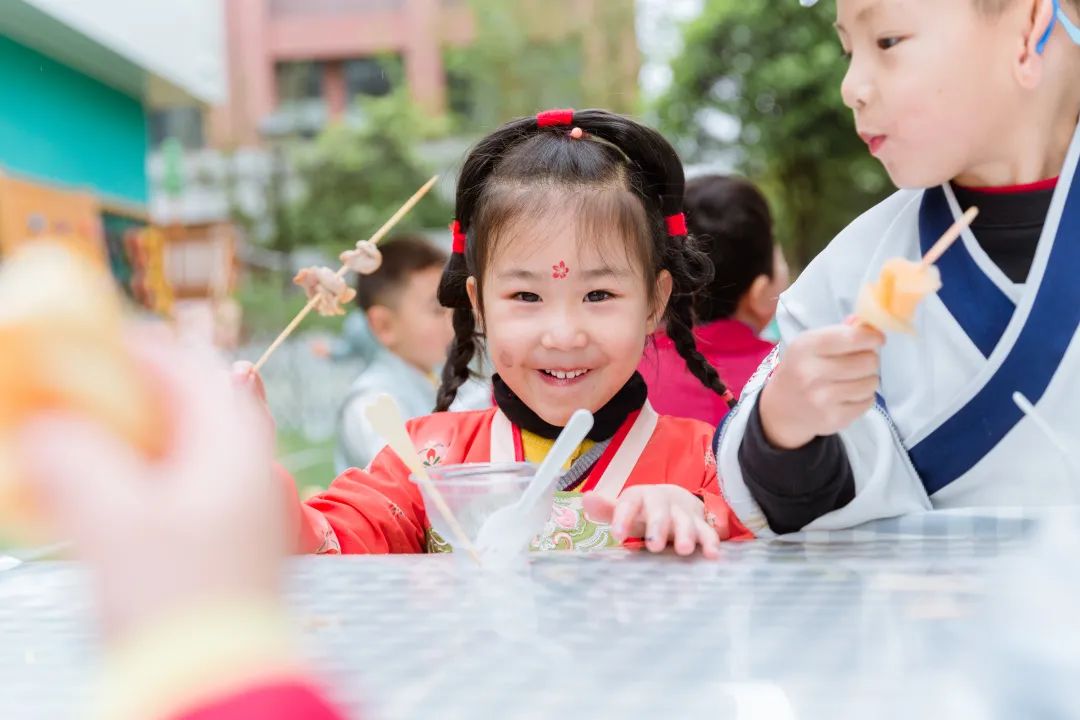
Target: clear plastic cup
{"type": "Point", "coordinates": [473, 491]}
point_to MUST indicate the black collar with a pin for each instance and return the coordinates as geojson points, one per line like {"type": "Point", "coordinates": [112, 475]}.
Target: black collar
{"type": "Point", "coordinates": [1009, 226]}
{"type": "Point", "coordinates": [606, 421]}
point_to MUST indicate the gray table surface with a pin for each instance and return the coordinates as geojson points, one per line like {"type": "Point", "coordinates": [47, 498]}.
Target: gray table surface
{"type": "Point", "coordinates": [856, 624]}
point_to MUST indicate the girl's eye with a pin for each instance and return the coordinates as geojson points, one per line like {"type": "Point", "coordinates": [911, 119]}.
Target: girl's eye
{"type": "Point", "coordinates": [887, 43]}
{"type": "Point", "coordinates": [526, 297]}
{"type": "Point", "coordinates": [598, 296]}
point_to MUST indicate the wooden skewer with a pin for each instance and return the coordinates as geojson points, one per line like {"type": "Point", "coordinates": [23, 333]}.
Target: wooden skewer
{"type": "Point", "coordinates": [385, 418]}
{"type": "Point", "coordinates": [951, 235]}
{"type": "Point", "coordinates": [403, 210]}
{"type": "Point", "coordinates": [378, 236]}
{"type": "Point", "coordinates": [461, 538]}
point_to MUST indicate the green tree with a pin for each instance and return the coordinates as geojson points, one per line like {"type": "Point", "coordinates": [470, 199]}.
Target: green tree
{"type": "Point", "coordinates": [535, 54]}
{"type": "Point", "coordinates": [777, 73]}
{"type": "Point", "coordinates": [354, 176]}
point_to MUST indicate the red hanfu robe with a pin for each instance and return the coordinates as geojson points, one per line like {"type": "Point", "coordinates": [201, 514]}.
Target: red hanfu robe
{"type": "Point", "coordinates": [379, 510]}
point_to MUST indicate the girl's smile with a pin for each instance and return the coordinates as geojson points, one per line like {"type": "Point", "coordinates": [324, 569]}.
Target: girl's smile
{"type": "Point", "coordinates": [572, 338]}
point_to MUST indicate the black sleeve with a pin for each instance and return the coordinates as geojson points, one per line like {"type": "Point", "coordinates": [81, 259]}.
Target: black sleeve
{"type": "Point", "coordinates": [795, 487]}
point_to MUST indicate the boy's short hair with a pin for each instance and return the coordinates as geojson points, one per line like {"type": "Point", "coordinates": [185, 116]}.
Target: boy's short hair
{"type": "Point", "coordinates": [731, 219]}
{"type": "Point", "coordinates": [402, 257]}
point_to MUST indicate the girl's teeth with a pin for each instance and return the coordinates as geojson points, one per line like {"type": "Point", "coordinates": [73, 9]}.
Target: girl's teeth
{"type": "Point", "coordinates": [565, 375]}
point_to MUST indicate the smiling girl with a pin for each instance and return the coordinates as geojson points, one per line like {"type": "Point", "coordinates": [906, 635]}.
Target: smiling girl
{"type": "Point", "coordinates": [570, 248]}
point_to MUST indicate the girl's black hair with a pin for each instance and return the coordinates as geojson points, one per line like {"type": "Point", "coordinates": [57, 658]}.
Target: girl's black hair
{"type": "Point", "coordinates": [630, 166]}
{"type": "Point", "coordinates": [731, 218]}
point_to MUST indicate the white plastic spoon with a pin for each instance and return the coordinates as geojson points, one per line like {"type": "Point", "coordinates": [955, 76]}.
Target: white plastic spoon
{"type": "Point", "coordinates": [508, 529]}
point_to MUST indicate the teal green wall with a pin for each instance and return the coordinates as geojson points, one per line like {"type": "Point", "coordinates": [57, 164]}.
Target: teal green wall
{"type": "Point", "coordinates": [61, 126]}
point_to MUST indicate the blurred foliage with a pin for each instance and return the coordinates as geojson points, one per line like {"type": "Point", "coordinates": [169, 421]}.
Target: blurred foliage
{"type": "Point", "coordinates": [355, 176]}
{"type": "Point", "coordinates": [778, 74]}
{"type": "Point", "coordinates": [308, 476]}
{"type": "Point", "coordinates": [532, 55]}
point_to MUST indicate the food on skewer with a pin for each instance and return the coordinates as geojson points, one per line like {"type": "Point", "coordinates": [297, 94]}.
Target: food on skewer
{"type": "Point", "coordinates": [890, 303]}
{"type": "Point", "coordinates": [326, 303]}
{"type": "Point", "coordinates": [364, 259]}
{"type": "Point", "coordinates": [327, 289]}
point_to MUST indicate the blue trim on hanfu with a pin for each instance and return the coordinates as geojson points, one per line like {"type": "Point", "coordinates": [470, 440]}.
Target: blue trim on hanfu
{"type": "Point", "coordinates": [980, 307]}
{"type": "Point", "coordinates": [962, 441]}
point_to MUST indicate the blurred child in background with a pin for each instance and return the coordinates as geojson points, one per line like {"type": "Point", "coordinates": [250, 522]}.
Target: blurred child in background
{"type": "Point", "coordinates": [731, 219]}
{"type": "Point", "coordinates": [410, 333]}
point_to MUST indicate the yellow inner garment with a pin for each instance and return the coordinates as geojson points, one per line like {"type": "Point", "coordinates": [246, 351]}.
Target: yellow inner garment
{"type": "Point", "coordinates": [536, 449]}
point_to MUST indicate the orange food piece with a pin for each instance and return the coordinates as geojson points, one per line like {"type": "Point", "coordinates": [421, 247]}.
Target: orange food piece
{"type": "Point", "coordinates": [61, 326]}
{"type": "Point", "coordinates": [890, 303]}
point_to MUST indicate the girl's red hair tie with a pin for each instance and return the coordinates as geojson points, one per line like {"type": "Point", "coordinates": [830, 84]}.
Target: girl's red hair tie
{"type": "Point", "coordinates": [555, 118]}
{"type": "Point", "coordinates": [676, 224]}
{"type": "Point", "coordinates": [459, 238]}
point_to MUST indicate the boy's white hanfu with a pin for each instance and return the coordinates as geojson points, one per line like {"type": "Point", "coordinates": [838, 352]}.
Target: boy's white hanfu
{"type": "Point", "coordinates": [945, 431]}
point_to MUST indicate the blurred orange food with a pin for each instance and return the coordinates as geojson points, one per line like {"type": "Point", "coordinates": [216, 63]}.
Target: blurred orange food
{"type": "Point", "coordinates": [61, 331]}
{"type": "Point", "coordinates": [890, 303]}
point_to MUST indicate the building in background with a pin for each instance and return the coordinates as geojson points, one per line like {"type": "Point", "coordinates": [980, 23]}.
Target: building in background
{"type": "Point", "coordinates": [170, 64]}
{"type": "Point", "coordinates": [75, 107]}
{"type": "Point", "coordinates": [288, 68]}
{"type": "Point", "coordinates": [143, 131]}
{"type": "Point", "coordinates": [296, 64]}
{"type": "Point", "coordinates": [309, 60]}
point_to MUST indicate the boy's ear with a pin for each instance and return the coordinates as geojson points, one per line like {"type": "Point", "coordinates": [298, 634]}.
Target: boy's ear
{"type": "Point", "coordinates": [1040, 17]}
{"type": "Point", "coordinates": [383, 324]}
{"type": "Point", "coordinates": [663, 295]}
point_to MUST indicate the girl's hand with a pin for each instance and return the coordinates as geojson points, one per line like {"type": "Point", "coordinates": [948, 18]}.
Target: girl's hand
{"type": "Point", "coordinates": [662, 514]}
{"type": "Point", "coordinates": [250, 381]}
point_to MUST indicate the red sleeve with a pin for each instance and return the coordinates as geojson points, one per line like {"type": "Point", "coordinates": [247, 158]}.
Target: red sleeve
{"type": "Point", "coordinates": [717, 512]}
{"type": "Point", "coordinates": [284, 700]}
{"type": "Point", "coordinates": [378, 510]}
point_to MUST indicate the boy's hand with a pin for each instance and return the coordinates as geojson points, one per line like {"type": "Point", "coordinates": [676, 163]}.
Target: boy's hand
{"type": "Point", "coordinates": [662, 514]}
{"type": "Point", "coordinates": [825, 380]}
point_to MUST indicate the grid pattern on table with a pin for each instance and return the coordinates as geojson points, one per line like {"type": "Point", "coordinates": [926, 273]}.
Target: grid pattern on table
{"type": "Point", "coordinates": [821, 629]}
